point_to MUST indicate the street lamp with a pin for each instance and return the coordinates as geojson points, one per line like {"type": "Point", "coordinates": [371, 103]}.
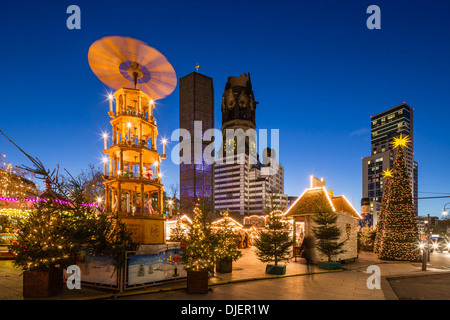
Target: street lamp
{"type": "Point", "coordinates": [445, 212]}
{"type": "Point", "coordinates": [170, 207]}
{"type": "Point", "coordinates": [99, 201]}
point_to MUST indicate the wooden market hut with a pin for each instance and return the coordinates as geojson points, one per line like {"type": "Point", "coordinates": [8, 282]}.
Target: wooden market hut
{"type": "Point", "coordinates": [316, 199]}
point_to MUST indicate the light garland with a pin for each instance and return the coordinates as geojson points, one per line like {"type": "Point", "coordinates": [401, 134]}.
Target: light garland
{"type": "Point", "coordinates": [15, 213]}
{"type": "Point", "coordinates": [46, 199]}
{"type": "Point", "coordinates": [397, 234]}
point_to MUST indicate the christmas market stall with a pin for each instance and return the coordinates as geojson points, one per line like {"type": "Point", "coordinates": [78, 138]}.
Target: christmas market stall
{"type": "Point", "coordinates": [317, 199]}
{"type": "Point", "coordinates": [177, 227]}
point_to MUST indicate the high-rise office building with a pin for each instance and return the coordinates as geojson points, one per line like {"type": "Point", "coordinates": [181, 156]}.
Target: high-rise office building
{"type": "Point", "coordinates": [196, 104]}
{"type": "Point", "coordinates": [385, 126]}
{"type": "Point", "coordinates": [242, 183]}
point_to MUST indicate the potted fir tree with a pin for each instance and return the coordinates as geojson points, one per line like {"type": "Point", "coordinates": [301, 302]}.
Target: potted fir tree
{"type": "Point", "coordinates": [226, 248]}
{"type": "Point", "coordinates": [327, 234]}
{"type": "Point", "coordinates": [197, 258]}
{"type": "Point", "coordinates": [49, 240]}
{"type": "Point", "coordinates": [43, 249]}
{"type": "Point", "coordinates": [274, 243]}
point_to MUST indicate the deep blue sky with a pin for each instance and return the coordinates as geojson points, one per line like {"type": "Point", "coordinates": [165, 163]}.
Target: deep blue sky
{"type": "Point", "coordinates": [317, 72]}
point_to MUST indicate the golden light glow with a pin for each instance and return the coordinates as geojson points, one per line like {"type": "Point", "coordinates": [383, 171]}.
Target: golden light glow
{"type": "Point", "coordinates": [401, 141]}
{"type": "Point", "coordinates": [237, 224]}
{"type": "Point", "coordinates": [387, 173]}
{"type": "Point", "coordinates": [348, 202]}
{"type": "Point", "coordinates": [185, 217]}
{"type": "Point", "coordinates": [295, 202]}
{"type": "Point", "coordinates": [329, 199]}
{"type": "Point", "coordinates": [110, 96]}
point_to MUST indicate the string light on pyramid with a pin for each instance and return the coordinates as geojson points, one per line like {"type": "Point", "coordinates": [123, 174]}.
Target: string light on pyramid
{"type": "Point", "coordinates": [401, 141]}
{"type": "Point", "coordinates": [139, 76]}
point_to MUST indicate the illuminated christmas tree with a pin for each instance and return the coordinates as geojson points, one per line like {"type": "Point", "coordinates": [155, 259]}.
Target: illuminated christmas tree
{"type": "Point", "coordinates": [42, 242]}
{"type": "Point", "coordinates": [398, 237]}
{"type": "Point", "coordinates": [198, 254]}
{"type": "Point", "coordinates": [387, 175]}
{"type": "Point", "coordinates": [226, 247]}
{"type": "Point", "coordinates": [60, 224]}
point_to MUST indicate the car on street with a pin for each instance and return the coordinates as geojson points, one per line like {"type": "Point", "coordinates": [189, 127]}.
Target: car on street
{"type": "Point", "coordinates": [440, 244]}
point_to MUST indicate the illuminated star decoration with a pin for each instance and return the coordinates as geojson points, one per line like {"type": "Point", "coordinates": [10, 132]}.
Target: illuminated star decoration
{"type": "Point", "coordinates": [387, 173]}
{"type": "Point", "coordinates": [401, 141]}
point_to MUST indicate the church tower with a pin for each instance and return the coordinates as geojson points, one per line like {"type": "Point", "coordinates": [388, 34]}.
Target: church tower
{"type": "Point", "coordinates": [242, 184]}
{"type": "Point", "coordinates": [238, 112]}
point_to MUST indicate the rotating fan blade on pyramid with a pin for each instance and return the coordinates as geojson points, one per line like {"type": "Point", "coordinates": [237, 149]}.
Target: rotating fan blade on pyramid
{"type": "Point", "coordinates": [122, 62]}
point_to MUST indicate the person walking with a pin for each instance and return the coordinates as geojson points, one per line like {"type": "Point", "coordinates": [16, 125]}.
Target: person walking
{"type": "Point", "coordinates": [245, 240]}
{"type": "Point", "coordinates": [308, 253]}
{"type": "Point", "coordinates": [240, 240]}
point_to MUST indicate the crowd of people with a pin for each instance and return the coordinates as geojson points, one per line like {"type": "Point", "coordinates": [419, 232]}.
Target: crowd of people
{"type": "Point", "coordinates": [244, 240]}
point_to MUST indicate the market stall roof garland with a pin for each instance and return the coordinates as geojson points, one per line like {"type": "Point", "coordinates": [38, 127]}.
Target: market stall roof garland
{"type": "Point", "coordinates": [317, 199]}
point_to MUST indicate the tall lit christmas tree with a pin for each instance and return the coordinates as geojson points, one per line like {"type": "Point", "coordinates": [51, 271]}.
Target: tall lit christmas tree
{"type": "Point", "coordinates": [399, 233]}
{"type": "Point", "coordinates": [387, 175]}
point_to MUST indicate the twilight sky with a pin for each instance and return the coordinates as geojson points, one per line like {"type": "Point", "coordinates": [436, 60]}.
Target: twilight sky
{"type": "Point", "coordinates": [317, 71]}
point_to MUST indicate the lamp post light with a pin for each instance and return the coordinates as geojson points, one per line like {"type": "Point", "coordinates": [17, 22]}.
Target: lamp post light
{"type": "Point", "coordinates": [170, 207]}
{"type": "Point", "coordinates": [99, 202]}
{"type": "Point", "coordinates": [428, 236]}
{"type": "Point", "coordinates": [445, 212]}
{"type": "Point", "coordinates": [425, 245]}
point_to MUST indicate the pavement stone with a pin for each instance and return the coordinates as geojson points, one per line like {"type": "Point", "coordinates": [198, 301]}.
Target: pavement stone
{"type": "Point", "coordinates": [248, 281]}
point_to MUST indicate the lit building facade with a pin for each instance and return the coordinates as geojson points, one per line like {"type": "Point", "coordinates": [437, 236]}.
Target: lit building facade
{"type": "Point", "coordinates": [385, 126]}
{"type": "Point", "coordinates": [242, 183]}
{"type": "Point", "coordinates": [196, 104]}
